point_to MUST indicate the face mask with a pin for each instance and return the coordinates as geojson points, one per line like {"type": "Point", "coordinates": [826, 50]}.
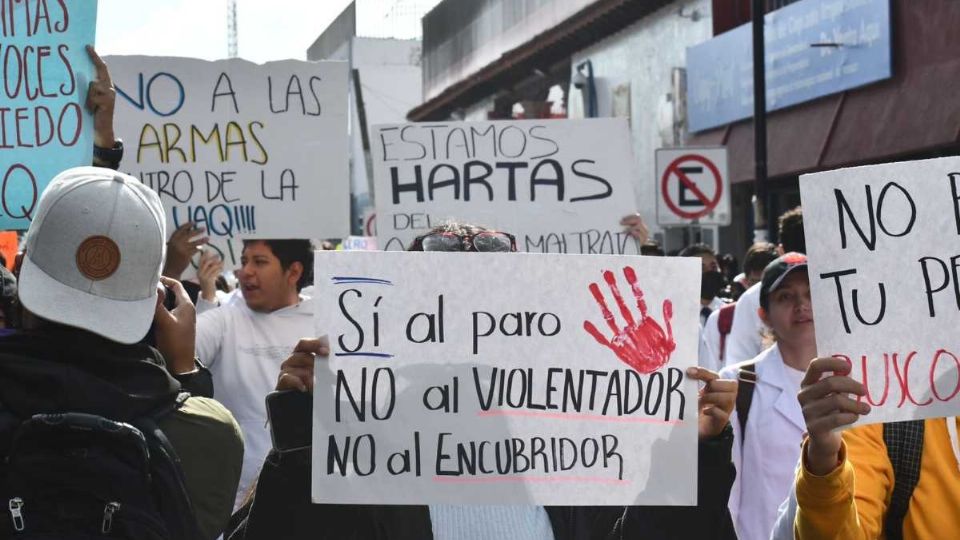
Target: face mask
{"type": "Point", "coordinates": [710, 284]}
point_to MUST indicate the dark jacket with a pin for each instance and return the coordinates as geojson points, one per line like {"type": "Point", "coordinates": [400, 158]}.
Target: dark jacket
{"type": "Point", "coordinates": [61, 369]}
{"type": "Point", "coordinates": [281, 508]}
{"type": "Point", "coordinates": [710, 519]}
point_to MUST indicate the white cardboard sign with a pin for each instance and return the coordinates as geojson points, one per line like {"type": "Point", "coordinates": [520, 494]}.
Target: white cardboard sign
{"type": "Point", "coordinates": [561, 186]}
{"type": "Point", "coordinates": [466, 378]}
{"type": "Point", "coordinates": [245, 150]}
{"type": "Point", "coordinates": [884, 248]}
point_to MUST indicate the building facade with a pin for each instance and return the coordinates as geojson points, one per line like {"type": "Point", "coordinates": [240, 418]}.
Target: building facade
{"type": "Point", "coordinates": [895, 63]}
{"type": "Point", "coordinates": [385, 83]}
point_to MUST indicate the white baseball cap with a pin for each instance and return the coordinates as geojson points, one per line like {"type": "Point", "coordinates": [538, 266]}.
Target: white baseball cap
{"type": "Point", "coordinates": [93, 253]}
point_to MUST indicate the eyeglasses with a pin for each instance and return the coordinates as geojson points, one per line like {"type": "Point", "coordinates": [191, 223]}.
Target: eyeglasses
{"type": "Point", "coordinates": [487, 241]}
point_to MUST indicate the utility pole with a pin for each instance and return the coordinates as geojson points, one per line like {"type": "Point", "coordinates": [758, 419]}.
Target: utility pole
{"type": "Point", "coordinates": [231, 28]}
{"type": "Point", "coordinates": [760, 232]}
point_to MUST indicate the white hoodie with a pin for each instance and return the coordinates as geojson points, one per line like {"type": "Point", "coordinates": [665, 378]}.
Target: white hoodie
{"type": "Point", "coordinates": [243, 350]}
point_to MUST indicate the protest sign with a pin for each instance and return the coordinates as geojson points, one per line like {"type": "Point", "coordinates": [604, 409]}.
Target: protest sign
{"type": "Point", "coordinates": [884, 250]}
{"type": "Point", "coordinates": [560, 185]}
{"type": "Point", "coordinates": [472, 378]}
{"type": "Point", "coordinates": [243, 150]}
{"type": "Point", "coordinates": [9, 245]}
{"type": "Point", "coordinates": [44, 124]}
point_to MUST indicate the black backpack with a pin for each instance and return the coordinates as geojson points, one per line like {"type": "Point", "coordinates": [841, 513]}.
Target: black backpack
{"type": "Point", "coordinates": [80, 476]}
{"type": "Point", "coordinates": [904, 442]}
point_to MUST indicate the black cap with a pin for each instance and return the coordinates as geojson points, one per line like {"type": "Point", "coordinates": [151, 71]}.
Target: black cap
{"type": "Point", "coordinates": [777, 271]}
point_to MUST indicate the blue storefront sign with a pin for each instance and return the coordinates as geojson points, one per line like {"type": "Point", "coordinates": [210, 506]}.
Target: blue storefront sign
{"type": "Point", "coordinates": [813, 48]}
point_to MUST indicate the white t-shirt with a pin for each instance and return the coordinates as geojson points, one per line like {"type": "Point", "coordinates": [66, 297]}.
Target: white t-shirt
{"type": "Point", "coordinates": [795, 376]}
{"type": "Point", "coordinates": [243, 350]}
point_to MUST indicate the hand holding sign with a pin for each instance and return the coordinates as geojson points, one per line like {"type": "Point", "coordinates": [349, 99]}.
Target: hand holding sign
{"type": "Point", "coordinates": [826, 407]}
{"type": "Point", "coordinates": [181, 247]}
{"type": "Point", "coordinates": [296, 372]}
{"type": "Point", "coordinates": [641, 345]}
{"type": "Point", "coordinates": [636, 227]}
{"type": "Point", "coordinates": [715, 401]}
{"type": "Point", "coordinates": [210, 268]}
{"type": "Point", "coordinates": [101, 97]}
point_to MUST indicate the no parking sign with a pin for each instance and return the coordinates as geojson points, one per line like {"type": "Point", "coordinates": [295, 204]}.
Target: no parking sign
{"type": "Point", "coordinates": [692, 184]}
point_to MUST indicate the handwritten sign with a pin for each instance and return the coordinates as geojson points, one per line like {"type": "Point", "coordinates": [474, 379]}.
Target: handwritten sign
{"type": "Point", "coordinates": [468, 378]}
{"type": "Point", "coordinates": [44, 124]}
{"type": "Point", "coordinates": [244, 150]}
{"type": "Point", "coordinates": [884, 250]}
{"type": "Point", "coordinates": [560, 185]}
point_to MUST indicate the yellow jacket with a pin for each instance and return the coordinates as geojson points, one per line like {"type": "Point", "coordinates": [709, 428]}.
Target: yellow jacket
{"type": "Point", "coordinates": [851, 502]}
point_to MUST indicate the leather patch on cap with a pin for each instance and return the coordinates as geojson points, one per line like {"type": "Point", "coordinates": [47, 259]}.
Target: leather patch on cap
{"type": "Point", "coordinates": [98, 257]}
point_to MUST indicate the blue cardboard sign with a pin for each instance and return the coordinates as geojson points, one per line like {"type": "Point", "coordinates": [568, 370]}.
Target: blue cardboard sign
{"type": "Point", "coordinates": [44, 74]}
{"type": "Point", "coordinates": [813, 48]}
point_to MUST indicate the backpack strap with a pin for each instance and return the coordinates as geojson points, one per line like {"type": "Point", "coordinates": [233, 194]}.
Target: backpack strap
{"type": "Point", "coordinates": [904, 442]}
{"type": "Point", "coordinates": [151, 428]}
{"type": "Point", "coordinates": [747, 377]}
{"type": "Point", "coordinates": [725, 324]}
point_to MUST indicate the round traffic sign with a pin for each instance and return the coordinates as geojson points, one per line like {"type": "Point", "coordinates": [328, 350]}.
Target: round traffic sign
{"type": "Point", "coordinates": [675, 171]}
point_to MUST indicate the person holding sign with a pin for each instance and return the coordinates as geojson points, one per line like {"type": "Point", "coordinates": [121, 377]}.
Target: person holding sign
{"type": "Point", "coordinates": [241, 342]}
{"type": "Point", "coordinates": [768, 425]}
{"type": "Point", "coordinates": [281, 506]}
{"type": "Point", "coordinates": [898, 480]}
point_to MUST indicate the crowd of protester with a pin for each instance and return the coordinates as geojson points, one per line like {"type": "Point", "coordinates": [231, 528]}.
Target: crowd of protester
{"type": "Point", "coordinates": [190, 365]}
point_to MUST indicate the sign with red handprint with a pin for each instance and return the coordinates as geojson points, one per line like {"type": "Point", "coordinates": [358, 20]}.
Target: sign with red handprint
{"type": "Point", "coordinates": [642, 343]}
{"type": "Point", "coordinates": [490, 378]}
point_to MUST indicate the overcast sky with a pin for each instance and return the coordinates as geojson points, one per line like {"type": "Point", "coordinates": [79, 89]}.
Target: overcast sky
{"type": "Point", "coordinates": [267, 29]}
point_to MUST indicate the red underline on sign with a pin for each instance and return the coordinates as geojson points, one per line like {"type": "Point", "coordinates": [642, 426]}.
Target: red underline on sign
{"type": "Point", "coordinates": [581, 417]}
{"type": "Point", "coordinates": [530, 480]}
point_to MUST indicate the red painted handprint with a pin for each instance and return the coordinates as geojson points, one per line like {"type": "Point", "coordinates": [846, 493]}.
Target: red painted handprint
{"type": "Point", "coordinates": [641, 344]}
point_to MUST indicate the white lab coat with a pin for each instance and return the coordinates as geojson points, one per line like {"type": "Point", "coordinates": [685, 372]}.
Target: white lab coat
{"type": "Point", "coordinates": [710, 342]}
{"type": "Point", "coordinates": [786, 515]}
{"type": "Point", "coordinates": [705, 354]}
{"type": "Point", "coordinates": [768, 458]}
{"type": "Point", "coordinates": [745, 340]}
